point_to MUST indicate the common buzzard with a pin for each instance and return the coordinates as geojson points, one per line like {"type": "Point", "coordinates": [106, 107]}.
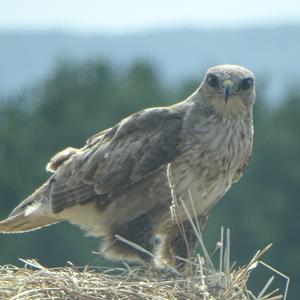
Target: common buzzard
{"type": "Point", "coordinates": [132, 179]}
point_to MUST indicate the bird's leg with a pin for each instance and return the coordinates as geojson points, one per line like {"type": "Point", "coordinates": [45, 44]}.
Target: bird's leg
{"type": "Point", "coordinates": [181, 244]}
{"type": "Point", "coordinates": [135, 234]}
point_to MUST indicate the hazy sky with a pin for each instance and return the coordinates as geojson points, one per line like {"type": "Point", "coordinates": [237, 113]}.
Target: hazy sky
{"type": "Point", "coordinates": [136, 15]}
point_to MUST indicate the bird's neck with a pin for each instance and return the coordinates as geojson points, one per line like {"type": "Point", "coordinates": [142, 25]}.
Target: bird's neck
{"type": "Point", "coordinates": [233, 110]}
{"type": "Point", "coordinates": [202, 116]}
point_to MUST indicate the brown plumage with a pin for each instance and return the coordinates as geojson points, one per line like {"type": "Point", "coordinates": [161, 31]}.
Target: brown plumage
{"type": "Point", "coordinates": [120, 182]}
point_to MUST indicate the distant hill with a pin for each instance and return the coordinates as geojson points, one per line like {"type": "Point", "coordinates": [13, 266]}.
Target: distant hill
{"type": "Point", "coordinates": [272, 53]}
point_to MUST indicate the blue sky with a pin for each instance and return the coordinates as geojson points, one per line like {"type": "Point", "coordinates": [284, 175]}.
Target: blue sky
{"type": "Point", "coordinates": [137, 15]}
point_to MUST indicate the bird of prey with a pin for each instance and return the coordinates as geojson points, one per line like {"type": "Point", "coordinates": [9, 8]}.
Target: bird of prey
{"type": "Point", "coordinates": [139, 177]}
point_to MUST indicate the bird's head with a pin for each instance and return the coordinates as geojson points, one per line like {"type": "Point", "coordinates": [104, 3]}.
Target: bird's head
{"type": "Point", "coordinates": [228, 88]}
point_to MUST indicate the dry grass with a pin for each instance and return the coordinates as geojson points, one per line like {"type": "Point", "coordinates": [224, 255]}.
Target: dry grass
{"type": "Point", "coordinates": [201, 281]}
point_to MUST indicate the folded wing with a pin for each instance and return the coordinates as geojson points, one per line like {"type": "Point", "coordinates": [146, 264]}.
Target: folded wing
{"type": "Point", "coordinates": [117, 158]}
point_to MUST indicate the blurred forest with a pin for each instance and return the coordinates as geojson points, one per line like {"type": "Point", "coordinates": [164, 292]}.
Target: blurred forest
{"type": "Point", "coordinates": [78, 100]}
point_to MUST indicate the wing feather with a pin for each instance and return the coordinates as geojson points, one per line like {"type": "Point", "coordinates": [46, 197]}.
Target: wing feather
{"type": "Point", "coordinates": [118, 157]}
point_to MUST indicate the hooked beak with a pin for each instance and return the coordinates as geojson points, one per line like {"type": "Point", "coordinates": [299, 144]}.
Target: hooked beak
{"type": "Point", "coordinates": [227, 89]}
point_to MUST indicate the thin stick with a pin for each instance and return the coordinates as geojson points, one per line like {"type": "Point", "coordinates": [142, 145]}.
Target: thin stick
{"type": "Point", "coordinates": [198, 234]}
{"type": "Point", "coordinates": [260, 295]}
{"type": "Point", "coordinates": [221, 250]}
{"type": "Point", "coordinates": [282, 275]}
{"type": "Point", "coordinates": [194, 210]}
{"type": "Point", "coordinates": [201, 275]}
{"type": "Point", "coordinates": [174, 206]}
{"type": "Point", "coordinates": [227, 257]}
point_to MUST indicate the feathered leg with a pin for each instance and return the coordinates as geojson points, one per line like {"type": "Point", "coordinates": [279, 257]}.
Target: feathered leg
{"type": "Point", "coordinates": [180, 242]}
{"type": "Point", "coordinates": [137, 231]}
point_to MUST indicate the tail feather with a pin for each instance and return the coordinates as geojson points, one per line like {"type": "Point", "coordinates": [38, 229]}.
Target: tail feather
{"type": "Point", "coordinates": [31, 214]}
{"type": "Point", "coordinates": [22, 223]}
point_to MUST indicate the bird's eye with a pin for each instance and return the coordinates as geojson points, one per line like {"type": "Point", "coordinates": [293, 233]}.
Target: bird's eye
{"type": "Point", "coordinates": [212, 80]}
{"type": "Point", "coordinates": [246, 83]}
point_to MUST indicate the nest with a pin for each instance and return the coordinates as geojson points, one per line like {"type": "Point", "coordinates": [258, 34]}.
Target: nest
{"type": "Point", "coordinates": [200, 280]}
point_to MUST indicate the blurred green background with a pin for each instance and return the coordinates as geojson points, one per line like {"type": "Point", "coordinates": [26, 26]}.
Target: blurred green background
{"type": "Point", "coordinates": [78, 99]}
